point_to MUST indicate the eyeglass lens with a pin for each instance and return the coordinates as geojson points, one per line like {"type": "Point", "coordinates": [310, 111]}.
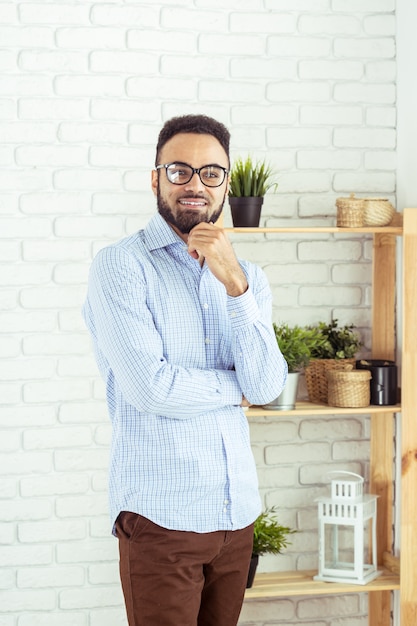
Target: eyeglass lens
{"type": "Point", "coordinates": [210, 175]}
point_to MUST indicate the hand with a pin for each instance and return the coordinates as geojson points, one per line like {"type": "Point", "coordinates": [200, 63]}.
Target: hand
{"type": "Point", "coordinates": [244, 402]}
{"type": "Point", "coordinates": [212, 243]}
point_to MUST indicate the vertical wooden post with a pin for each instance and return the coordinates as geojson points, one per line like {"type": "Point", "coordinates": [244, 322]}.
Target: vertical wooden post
{"type": "Point", "coordinates": [408, 567]}
{"type": "Point", "coordinates": [382, 425]}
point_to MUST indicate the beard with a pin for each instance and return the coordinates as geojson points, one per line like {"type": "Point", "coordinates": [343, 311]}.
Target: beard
{"type": "Point", "coordinates": [185, 220]}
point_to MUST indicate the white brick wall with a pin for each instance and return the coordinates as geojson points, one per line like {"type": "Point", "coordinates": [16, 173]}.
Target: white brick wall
{"type": "Point", "coordinates": [84, 89]}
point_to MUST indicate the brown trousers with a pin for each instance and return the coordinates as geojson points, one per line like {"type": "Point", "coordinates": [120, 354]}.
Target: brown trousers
{"type": "Point", "coordinates": [177, 578]}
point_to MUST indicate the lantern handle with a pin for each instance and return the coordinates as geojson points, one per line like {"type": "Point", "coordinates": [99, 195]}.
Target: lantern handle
{"type": "Point", "coordinates": [346, 472]}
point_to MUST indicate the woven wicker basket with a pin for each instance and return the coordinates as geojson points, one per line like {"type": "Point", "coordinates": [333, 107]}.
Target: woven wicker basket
{"type": "Point", "coordinates": [349, 388]}
{"type": "Point", "coordinates": [350, 212]}
{"type": "Point", "coordinates": [377, 212]}
{"type": "Point", "coordinates": [316, 377]}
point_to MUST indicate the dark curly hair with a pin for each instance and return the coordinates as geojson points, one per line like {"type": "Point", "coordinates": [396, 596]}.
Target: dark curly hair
{"type": "Point", "coordinates": [199, 124]}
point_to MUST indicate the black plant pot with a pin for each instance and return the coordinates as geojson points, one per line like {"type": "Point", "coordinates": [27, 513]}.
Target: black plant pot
{"type": "Point", "coordinates": [383, 383]}
{"type": "Point", "coordinates": [246, 210]}
{"type": "Point", "coordinates": [252, 570]}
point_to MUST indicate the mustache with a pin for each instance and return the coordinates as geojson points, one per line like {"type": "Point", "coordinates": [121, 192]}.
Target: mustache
{"type": "Point", "coordinates": [200, 196]}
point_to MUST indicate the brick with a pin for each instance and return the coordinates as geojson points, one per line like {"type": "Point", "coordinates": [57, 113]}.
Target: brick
{"type": "Point", "coordinates": [365, 182]}
{"type": "Point", "coordinates": [381, 116]}
{"type": "Point", "coordinates": [89, 85]}
{"type": "Point", "coordinates": [89, 598]}
{"type": "Point", "coordinates": [19, 601]}
{"type": "Point", "coordinates": [52, 576]}
{"type": "Point", "coordinates": [229, 43]}
{"type": "Point", "coordinates": [51, 531]}
{"type": "Point", "coordinates": [56, 250]}
{"type": "Point", "coordinates": [88, 412]}
{"type": "Point", "coordinates": [329, 160]}
{"type": "Point", "coordinates": [54, 484]}
{"type": "Point", "coordinates": [147, 17]}
{"type": "Point", "coordinates": [25, 85]}
{"type": "Point", "coordinates": [22, 132]}
{"type": "Point", "coordinates": [297, 452]}
{"type": "Point", "coordinates": [10, 393]}
{"type": "Point", "coordinates": [25, 509]}
{"type": "Point", "coordinates": [383, 47]}
{"type": "Point", "coordinates": [91, 133]}
{"type": "Point", "coordinates": [8, 61]}
{"type": "Point", "coordinates": [358, 92]}
{"type": "Point", "coordinates": [7, 109]}
{"type": "Point", "coordinates": [328, 606]}
{"type": "Point", "coordinates": [124, 62]}
{"type": "Point", "coordinates": [293, 137]}
{"type": "Point", "coordinates": [90, 38]}
{"type": "Point", "coordinates": [381, 160]}
{"type": "Point", "coordinates": [48, 203]}
{"type": "Point", "coordinates": [263, 68]}
{"type": "Point", "coordinates": [89, 226]}
{"type": "Point", "coordinates": [273, 114]}
{"type": "Point", "coordinates": [26, 370]}
{"type": "Point", "coordinates": [364, 6]}
{"type": "Point", "coordinates": [53, 61]}
{"type": "Point", "coordinates": [55, 344]}
{"type": "Point", "coordinates": [329, 24]}
{"type": "Point", "coordinates": [299, 46]}
{"type": "Point", "coordinates": [383, 25]}
{"type": "Point", "coordinates": [333, 115]}
{"type": "Point", "coordinates": [43, 392]}
{"type": "Point", "coordinates": [77, 460]}
{"type": "Point", "coordinates": [305, 182]}
{"type": "Point", "coordinates": [338, 70]}
{"type": "Point", "coordinates": [163, 40]}
{"type": "Point", "coordinates": [381, 71]}
{"type": "Point", "coordinates": [26, 36]}
{"type": "Point", "coordinates": [82, 506]}
{"type": "Point", "coordinates": [77, 366]}
{"type": "Point", "coordinates": [103, 156]}
{"type": "Point", "coordinates": [123, 109]}
{"type": "Point", "coordinates": [30, 180]}
{"type": "Point", "coordinates": [118, 203]}
{"type": "Point", "coordinates": [52, 617]}
{"type": "Point", "coordinates": [87, 179]}
{"type": "Point", "coordinates": [21, 416]}
{"type": "Point", "coordinates": [54, 438]}
{"type": "Point", "coordinates": [103, 574]}
{"type": "Point", "coordinates": [91, 551]}
{"type": "Point", "coordinates": [155, 88]}
{"type": "Point", "coordinates": [9, 251]}
{"type": "Point", "coordinates": [71, 274]}
{"type": "Point", "coordinates": [53, 108]}
{"type": "Point", "coordinates": [9, 441]}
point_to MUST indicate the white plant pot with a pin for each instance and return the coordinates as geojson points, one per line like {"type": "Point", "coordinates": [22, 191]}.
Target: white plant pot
{"type": "Point", "coordinates": [286, 399]}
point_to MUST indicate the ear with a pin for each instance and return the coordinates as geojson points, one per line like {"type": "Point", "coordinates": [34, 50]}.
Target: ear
{"type": "Point", "coordinates": [154, 181]}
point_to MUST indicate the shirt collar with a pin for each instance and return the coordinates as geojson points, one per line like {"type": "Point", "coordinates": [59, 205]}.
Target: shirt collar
{"type": "Point", "coordinates": [159, 234]}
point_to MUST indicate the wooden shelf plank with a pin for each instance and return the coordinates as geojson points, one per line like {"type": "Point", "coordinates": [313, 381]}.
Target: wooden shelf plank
{"type": "Point", "coordinates": [301, 583]}
{"type": "Point", "coordinates": [391, 230]}
{"type": "Point", "coordinates": [310, 408]}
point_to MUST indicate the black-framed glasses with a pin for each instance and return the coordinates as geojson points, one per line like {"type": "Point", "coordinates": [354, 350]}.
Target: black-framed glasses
{"type": "Point", "coordinates": [182, 173]}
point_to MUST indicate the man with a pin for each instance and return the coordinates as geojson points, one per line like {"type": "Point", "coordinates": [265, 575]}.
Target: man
{"type": "Point", "coordinates": [183, 338]}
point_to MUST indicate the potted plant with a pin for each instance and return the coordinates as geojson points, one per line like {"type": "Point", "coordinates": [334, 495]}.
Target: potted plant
{"type": "Point", "coordinates": [269, 537]}
{"type": "Point", "coordinates": [340, 346]}
{"type": "Point", "coordinates": [250, 179]}
{"type": "Point", "coordinates": [296, 344]}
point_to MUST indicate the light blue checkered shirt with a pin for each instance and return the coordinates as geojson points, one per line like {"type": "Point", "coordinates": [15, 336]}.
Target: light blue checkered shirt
{"type": "Point", "coordinates": [176, 354]}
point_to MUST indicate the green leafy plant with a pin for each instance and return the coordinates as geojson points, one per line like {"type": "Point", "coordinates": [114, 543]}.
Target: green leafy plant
{"type": "Point", "coordinates": [340, 342]}
{"type": "Point", "coordinates": [297, 344]}
{"type": "Point", "coordinates": [268, 535]}
{"type": "Point", "coordinates": [250, 178]}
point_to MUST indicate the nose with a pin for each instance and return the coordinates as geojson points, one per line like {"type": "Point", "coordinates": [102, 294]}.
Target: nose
{"type": "Point", "coordinates": [195, 183]}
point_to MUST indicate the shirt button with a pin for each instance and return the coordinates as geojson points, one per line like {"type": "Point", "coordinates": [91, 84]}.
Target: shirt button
{"type": "Point", "coordinates": [205, 305]}
{"type": "Point", "coordinates": [207, 340]}
{"type": "Point", "coordinates": [233, 314]}
{"type": "Point", "coordinates": [226, 502]}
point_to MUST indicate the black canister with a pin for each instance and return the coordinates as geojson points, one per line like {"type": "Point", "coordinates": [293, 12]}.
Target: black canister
{"type": "Point", "coordinates": [383, 382]}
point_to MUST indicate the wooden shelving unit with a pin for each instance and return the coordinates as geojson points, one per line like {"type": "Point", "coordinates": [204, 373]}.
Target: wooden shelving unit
{"type": "Point", "coordinates": [382, 459]}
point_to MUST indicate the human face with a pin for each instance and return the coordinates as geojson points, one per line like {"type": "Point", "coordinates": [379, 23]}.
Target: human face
{"type": "Point", "coordinates": [185, 206]}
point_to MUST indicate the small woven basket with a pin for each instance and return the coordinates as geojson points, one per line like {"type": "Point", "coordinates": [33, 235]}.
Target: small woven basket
{"type": "Point", "coordinates": [316, 377]}
{"type": "Point", "coordinates": [377, 212]}
{"type": "Point", "coordinates": [350, 212]}
{"type": "Point", "coordinates": [349, 388]}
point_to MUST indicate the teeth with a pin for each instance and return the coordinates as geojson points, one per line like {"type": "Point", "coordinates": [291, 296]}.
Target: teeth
{"type": "Point", "coordinates": [193, 203]}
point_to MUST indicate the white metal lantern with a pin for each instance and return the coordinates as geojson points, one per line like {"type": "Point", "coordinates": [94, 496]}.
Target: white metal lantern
{"type": "Point", "coordinates": [347, 512]}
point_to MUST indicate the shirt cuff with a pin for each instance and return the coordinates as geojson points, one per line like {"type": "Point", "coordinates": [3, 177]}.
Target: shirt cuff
{"type": "Point", "coordinates": [243, 310]}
